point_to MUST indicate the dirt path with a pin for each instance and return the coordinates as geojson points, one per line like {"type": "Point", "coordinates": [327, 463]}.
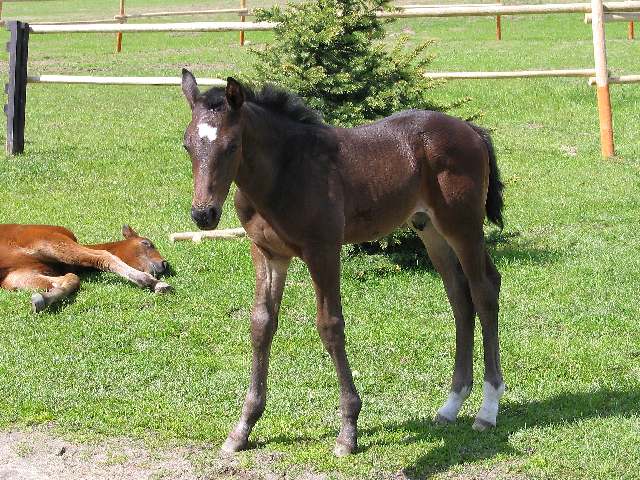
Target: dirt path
{"type": "Point", "coordinates": [39, 454]}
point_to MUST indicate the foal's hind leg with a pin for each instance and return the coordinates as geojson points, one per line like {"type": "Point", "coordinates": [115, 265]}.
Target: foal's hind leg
{"type": "Point", "coordinates": [56, 288]}
{"type": "Point", "coordinates": [61, 287]}
{"type": "Point", "coordinates": [484, 284]}
{"type": "Point", "coordinates": [457, 288]}
{"type": "Point", "coordinates": [271, 273]}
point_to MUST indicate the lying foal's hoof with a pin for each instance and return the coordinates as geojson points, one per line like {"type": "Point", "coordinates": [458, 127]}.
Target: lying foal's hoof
{"type": "Point", "coordinates": [481, 425]}
{"type": "Point", "coordinates": [162, 287]}
{"type": "Point", "coordinates": [38, 303]}
{"type": "Point", "coordinates": [232, 445]}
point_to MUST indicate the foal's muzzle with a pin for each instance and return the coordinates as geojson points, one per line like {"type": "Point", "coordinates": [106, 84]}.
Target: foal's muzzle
{"type": "Point", "coordinates": [206, 218]}
{"type": "Point", "coordinates": [159, 268]}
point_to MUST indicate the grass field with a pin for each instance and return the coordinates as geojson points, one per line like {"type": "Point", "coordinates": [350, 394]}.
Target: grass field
{"type": "Point", "coordinates": [119, 361]}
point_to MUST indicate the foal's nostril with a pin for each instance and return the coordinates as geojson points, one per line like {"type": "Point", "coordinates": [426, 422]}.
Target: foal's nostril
{"type": "Point", "coordinates": [165, 265]}
{"type": "Point", "coordinates": [204, 217]}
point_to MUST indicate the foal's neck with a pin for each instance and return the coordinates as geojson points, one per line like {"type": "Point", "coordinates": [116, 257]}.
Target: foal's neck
{"type": "Point", "coordinates": [112, 247]}
{"type": "Point", "coordinates": [268, 145]}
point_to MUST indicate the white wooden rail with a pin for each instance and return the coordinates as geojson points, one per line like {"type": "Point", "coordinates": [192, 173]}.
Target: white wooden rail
{"type": "Point", "coordinates": [491, 10]}
{"type": "Point", "coordinates": [96, 80]}
{"type": "Point", "coordinates": [182, 13]}
{"type": "Point", "coordinates": [154, 27]}
{"type": "Point", "coordinates": [584, 72]}
{"type": "Point", "coordinates": [616, 17]}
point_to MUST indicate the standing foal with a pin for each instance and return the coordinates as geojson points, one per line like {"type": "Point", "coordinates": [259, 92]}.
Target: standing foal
{"type": "Point", "coordinates": [305, 188]}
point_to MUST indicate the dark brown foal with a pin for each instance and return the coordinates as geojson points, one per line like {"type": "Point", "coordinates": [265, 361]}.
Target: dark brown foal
{"type": "Point", "coordinates": [43, 257]}
{"type": "Point", "coordinates": [305, 188]}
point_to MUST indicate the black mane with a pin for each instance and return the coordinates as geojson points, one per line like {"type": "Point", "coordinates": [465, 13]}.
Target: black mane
{"type": "Point", "coordinates": [272, 98]}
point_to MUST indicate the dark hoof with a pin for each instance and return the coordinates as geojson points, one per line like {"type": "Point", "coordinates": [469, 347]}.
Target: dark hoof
{"type": "Point", "coordinates": [233, 445]}
{"type": "Point", "coordinates": [342, 450]}
{"type": "Point", "coordinates": [480, 425]}
{"type": "Point", "coordinates": [442, 420]}
{"type": "Point", "coordinates": [38, 303]}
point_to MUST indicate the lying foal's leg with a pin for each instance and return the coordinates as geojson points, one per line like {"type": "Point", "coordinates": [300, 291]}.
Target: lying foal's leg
{"type": "Point", "coordinates": [56, 288]}
{"type": "Point", "coordinates": [271, 273]}
{"type": "Point", "coordinates": [324, 268]}
{"type": "Point", "coordinates": [61, 287]}
{"type": "Point", "coordinates": [455, 283]}
{"type": "Point", "coordinates": [71, 253]}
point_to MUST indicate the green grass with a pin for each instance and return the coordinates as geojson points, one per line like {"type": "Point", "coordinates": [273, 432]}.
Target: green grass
{"type": "Point", "coordinates": [121, 361]}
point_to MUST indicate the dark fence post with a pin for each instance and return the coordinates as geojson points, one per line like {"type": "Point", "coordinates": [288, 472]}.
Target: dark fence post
{"type": "Point", "coordinates": [18, 48]}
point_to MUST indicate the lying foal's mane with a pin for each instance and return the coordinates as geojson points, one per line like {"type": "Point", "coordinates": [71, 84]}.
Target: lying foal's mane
{"type": "Point", "coordinates": [270, 97]}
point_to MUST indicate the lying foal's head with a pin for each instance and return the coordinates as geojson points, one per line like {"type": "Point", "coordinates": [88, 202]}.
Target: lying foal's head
{"type": "Point", "coordinates": [140, 253]}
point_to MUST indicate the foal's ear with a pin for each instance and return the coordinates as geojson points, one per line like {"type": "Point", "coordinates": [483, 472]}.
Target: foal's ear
{"type": "Point", "coordinates": [128, 232]}
{"type": "Point", "coordinates": [189, 87]}
{"type": "Point", "coordinates": [234, 93]}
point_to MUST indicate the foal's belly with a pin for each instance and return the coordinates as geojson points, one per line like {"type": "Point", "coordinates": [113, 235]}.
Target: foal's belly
{"type": "Point", "coordinates": [381, 191]}
{"type": "Point", "coordinates": [372, 223]}
{"type": "Point", "coordinates": [380, 206]}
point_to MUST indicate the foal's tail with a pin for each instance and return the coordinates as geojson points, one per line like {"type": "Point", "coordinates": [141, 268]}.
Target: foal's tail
{"type": "Point", "coordinates": [495, 203]}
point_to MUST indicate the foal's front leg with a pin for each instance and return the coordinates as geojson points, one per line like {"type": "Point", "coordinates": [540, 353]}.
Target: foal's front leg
{"type": "Point", "coordinates": [71, 253]}
{"type": "Point", "coordinates": [271, 273]}
{"type": "Point", "coordinates": [324, 268]}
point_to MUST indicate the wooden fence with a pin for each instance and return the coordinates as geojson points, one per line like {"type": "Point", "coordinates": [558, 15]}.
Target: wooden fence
{"type": "Point", "coordinates": [123, 16]}
{"type": "Point", "coordinates": [18, 48]}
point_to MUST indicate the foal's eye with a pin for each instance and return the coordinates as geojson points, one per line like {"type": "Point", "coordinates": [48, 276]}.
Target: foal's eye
{"type": "Point", "coordinates": [232, 147]}
{"type": "Point", "coordinates": [147, 243]}
{"type": "Point", "coordinates": [185, 147]}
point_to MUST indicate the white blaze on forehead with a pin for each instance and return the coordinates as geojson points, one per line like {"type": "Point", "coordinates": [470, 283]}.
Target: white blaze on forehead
{"type": "Point", "coordinates": [207, 131]}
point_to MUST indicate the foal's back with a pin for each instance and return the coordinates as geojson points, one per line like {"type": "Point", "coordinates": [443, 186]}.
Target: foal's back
{"type": "Point", "coordinates": [394, 167]}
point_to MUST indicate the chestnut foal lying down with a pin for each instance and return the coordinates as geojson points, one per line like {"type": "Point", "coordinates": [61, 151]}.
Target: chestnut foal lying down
{"type": "Point", "coordinates": [43, 257]}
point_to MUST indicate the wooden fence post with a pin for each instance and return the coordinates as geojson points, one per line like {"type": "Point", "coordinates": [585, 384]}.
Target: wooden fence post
{"type": "Point", "coordinates": [602, 79]}
{"type": "Point", "coordinates": [119, 34]}
{"type": "Point", "coordinates": [243, 4]}
{"type": "Point", "coordinates": [630, 33]}
{"type": "Point", "coordinates": [498, 27]}
{"type": "Point", "coordinates": [16, 89]}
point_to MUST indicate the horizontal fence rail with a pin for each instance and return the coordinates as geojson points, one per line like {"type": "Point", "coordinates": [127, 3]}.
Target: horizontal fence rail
{"type": "Point", "coordinates": [586, 72]}
{"type": "Point", "coordinates": [492, 10]}
{"type": "Point", "coordinates": [88, 80]}
{"type": "Point", "coordinates": [239, 11]}
{"type": "Point", "coordinates": [616, 17]}
{"type": "Point", "coordinates": [620, 79]}
{"type": "Point", "coordinates": [155, 27]}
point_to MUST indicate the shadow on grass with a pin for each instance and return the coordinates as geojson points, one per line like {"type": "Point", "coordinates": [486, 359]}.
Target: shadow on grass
{"type": "Point", "coordinates": [462, 445]}
{"type": "Point", "coordinates": [504, 247]}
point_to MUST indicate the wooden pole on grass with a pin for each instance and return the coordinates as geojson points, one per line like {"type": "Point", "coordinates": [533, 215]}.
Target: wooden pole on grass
{"type": "Point", "coordinates": [119, 34]}
{"type": "Point", "coordinates": [243, 4]}
{"type": "Point", "coordinates": [602, 79]}
{"type": "Point", "coordinates": [498, 27]}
